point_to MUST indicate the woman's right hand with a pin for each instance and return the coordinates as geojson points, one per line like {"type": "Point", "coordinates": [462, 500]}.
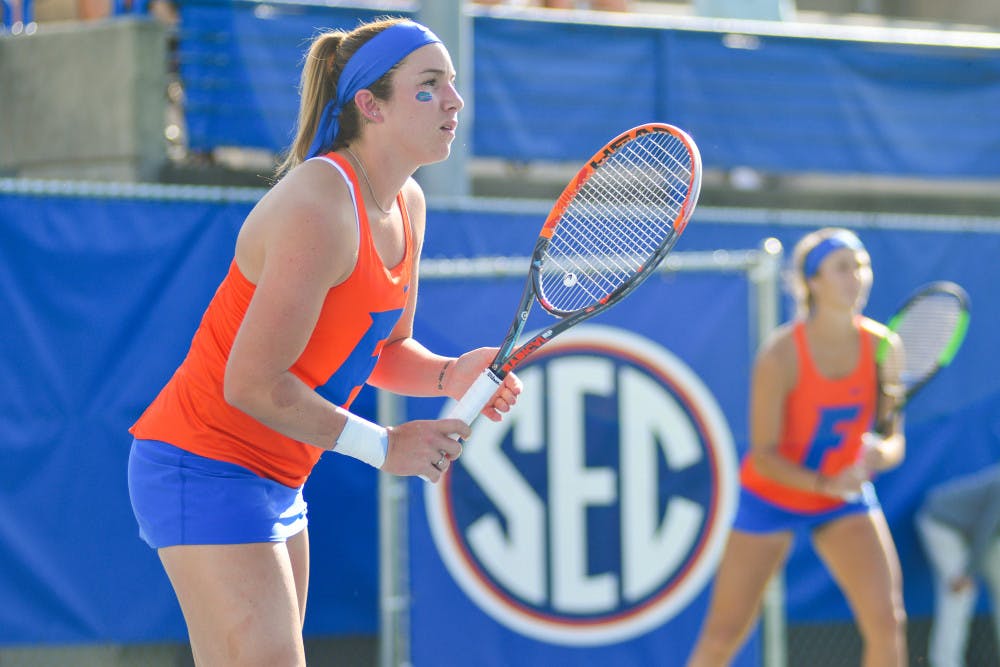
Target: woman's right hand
{"type": "Point", "coordinates": [425, 447]}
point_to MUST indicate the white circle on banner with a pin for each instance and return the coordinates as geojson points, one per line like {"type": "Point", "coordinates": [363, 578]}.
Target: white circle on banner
{"type": "Point", "coordinates": [512, 558]}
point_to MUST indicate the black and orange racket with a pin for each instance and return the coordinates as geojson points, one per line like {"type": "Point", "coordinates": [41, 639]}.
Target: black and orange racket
{"type": "Point", "coordinates": [610, 228]}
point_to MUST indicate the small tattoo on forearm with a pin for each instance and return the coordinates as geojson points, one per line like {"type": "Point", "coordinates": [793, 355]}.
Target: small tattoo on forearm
{"type": "Point", "coordinates": [441, 375]}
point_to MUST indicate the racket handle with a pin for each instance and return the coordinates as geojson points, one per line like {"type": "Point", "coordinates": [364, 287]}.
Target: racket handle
{"type": "Point", "coordinates": [476, 398]}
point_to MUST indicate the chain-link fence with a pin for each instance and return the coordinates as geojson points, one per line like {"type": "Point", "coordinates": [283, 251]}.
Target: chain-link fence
{"type": "Point", "coordinates": [839, 645]}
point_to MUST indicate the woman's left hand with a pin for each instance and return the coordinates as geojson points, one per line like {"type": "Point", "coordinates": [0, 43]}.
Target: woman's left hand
{"type": "Point", "coordinates": [467, 368]}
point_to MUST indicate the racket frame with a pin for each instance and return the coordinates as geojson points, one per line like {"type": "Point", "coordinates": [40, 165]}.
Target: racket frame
{"type": "Point", "coordinates": [900, 400]}
{"type": "Point", "coordinates": [509, 355]}
{"type": "Point", "coordinates": [948, 352]}
{"type": "Point", "coordinates": [507, 358]}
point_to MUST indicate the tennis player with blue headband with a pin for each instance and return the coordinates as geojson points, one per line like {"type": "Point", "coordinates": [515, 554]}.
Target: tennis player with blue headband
{"type": "Point", "coordinates": [814, 258]}
{"type": "Point", "coordinates": [318, 301]}
{"type": "Point", "coordinates": [368, 64]}
{"type": "Point", "coordinates": [815, 396]}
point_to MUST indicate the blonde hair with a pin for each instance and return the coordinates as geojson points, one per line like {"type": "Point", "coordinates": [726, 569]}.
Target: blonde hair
{"type": "Point", "coordinates": [328, 54]}
{"type": "Point", "coordinates": [795, 278]}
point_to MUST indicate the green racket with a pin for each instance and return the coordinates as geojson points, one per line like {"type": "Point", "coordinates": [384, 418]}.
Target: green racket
{"type": "Point", "coordinates": [931, 325]}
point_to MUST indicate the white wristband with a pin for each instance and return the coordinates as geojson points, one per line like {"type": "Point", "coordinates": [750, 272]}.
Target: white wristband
{"type": "Point", "coordinates": [363, 440]}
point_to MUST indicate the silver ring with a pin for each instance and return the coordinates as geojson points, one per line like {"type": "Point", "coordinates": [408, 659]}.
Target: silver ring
{"type": "Point", "coordinates": [440, 461]}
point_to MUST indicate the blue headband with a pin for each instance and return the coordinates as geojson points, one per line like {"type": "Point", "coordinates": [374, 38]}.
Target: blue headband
{"type": "Point", "coordinates": [368, 64]}
{"type": "Point", "coordinates": [815, 257]}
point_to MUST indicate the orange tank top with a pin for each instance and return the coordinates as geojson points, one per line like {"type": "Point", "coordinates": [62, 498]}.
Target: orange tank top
{"type": "Point", "coordinates": [357, 317]}
{"type": "Point", "coordinates": [824, 422]}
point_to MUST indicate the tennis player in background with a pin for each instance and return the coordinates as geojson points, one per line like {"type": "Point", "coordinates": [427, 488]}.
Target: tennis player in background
{"type": "Point", "coordinates": [319, 299]}
{"type": "Point", "coordinates": [814, 399]}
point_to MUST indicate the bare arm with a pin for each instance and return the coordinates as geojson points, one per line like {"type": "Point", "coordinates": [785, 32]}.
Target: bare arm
{"type": "Point", "coordinates": [887, 448]}
{"type": "Point", "coordinates": [295, 246]}
{"type": "Point", "coordinates": [294, 249]}
{"type": "Point", "coordinates": [773, 377]}
{"type": "Point", "coordinates": [406, 367]}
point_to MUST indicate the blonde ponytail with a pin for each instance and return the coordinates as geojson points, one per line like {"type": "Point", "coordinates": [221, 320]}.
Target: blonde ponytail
{"type": "Point", "coordinates": [316, 88]}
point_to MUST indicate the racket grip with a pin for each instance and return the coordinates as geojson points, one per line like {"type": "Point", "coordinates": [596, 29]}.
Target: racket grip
{"type": "Point", "coordinates": [476, 398]}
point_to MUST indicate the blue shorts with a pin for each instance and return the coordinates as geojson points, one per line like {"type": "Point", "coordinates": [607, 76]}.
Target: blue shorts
{"type": "Point", "coordinates": [756, 515]}
{"type": "Point", "coordinates": [182, 498]}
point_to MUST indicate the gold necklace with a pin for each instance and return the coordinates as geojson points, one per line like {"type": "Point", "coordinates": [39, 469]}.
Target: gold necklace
{"type": "Point", "coordinates": [364, 174]}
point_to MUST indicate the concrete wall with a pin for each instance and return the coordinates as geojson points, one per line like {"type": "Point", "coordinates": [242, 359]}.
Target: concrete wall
{"type": "Point", "coordinates": [84, 100]}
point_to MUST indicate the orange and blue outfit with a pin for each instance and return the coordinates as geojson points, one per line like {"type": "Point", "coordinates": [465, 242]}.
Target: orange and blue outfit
{"type": "Point", "coordinates": [189, 426]}
{"type": "Point", "coordinates": [823, 426]}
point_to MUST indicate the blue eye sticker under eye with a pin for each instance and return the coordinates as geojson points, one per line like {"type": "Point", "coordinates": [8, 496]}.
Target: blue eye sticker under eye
{"type": "Point", "coordinates": [424, 96]}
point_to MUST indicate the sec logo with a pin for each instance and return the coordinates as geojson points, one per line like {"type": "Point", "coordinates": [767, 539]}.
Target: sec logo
{"type": "Point", "coordinates": [599, 507]}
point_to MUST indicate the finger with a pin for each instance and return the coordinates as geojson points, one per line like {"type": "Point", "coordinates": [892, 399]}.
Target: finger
{"type": "Point", "coordinates": [511, 389]}
{"type": "Point", "coordinates": [446, 458]}
{"type": "Point", "coordinates": [450, 448]}
{"type": "Point", "coordinates": [450, 427]}
{"type": "Point", "coordinates": [513, 383]}
{"type": "Point", "coordinates": [502, 404]}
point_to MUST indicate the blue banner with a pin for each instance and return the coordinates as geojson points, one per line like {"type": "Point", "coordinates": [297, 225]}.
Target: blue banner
{"type": "Point", "coordinates": [101, 298]}
{"type": "Point", "coordinates": [585, 528]}
{"type": "Point", "coordinates": [476, 553]}
{"type": "Point", "coordinates": [102, 294]}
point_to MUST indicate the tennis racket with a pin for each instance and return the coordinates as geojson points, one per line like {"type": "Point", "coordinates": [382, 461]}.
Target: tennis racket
{"type": "Point", "coordinates": [609, 229]}
{"type": "Point", "coordinates": [931, 325]}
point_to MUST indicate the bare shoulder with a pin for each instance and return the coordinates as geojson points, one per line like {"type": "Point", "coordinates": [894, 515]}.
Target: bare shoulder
{"type": "Point", "coordinates": [776, 363]}
{"type": "Point", "coordinates": [779, 347]}
{"type": "Point", "coordinates": [416, 207]}
{"type": "Point", "coordinates": [308, 213]}
{"type": "Point", "coordinates": [316, 193]}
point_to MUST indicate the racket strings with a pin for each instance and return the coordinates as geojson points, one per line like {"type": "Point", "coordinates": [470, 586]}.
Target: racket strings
{"type": "Point", "coordinates": [619, 220]}
{"type": "Point", "coordinates": [639, 191]}
{"type": "Point", "coordinates": [926, 329]}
